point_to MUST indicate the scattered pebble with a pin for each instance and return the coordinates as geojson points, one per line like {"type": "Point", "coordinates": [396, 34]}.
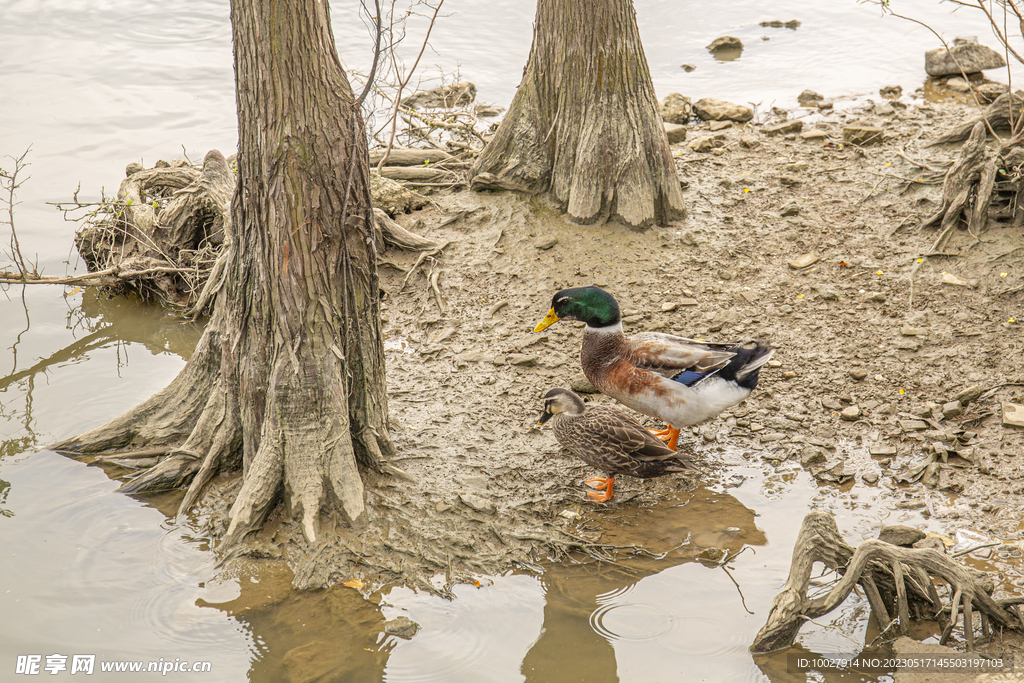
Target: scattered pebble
{"type": "Point", "coordinates": [403, 627]}
{"type": "Point", "coordinates": [851, 413]}
{"type": "Point", "coordinates": [858, 374]}
{"type": "Point", "coordinates": [882, 450]}
{"type": "Point", "coordinates": [951, 409]}
{"type": "Point", "coordinates": [478, 503]}
{"type": "Point", "coordinates": [870, 477]}
{"type": "Point", "coordinates": [804, 261]}
{"type": "Point", "coordinates": [545, 242]}
{"type": "Point", "coordinates": [950, 279]}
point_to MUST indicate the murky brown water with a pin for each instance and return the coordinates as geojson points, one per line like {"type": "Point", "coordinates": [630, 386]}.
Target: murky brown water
{"type": "Point", "coordinates": [84, 570]}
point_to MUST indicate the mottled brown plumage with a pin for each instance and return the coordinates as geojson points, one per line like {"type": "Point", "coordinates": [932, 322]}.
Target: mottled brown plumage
{"type": "Point", "coordinates": [610, 440]}
{"type": "Point", "coordinates": [680, 380]}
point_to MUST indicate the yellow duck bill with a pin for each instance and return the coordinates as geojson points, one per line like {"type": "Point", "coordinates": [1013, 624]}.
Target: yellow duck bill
{"type": "Point", "coordinates": [549, 320]}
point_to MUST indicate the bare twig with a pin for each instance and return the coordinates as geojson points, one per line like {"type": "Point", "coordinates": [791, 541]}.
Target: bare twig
{"type": "Point", "coordinates": [9, 182]}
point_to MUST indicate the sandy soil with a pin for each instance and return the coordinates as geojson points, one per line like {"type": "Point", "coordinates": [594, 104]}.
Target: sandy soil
{"type": "Point", "coordinates": [864, 364]}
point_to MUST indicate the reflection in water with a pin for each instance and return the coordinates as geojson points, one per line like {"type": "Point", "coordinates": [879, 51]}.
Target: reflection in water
{"type": "Point", "coordinates": [636, 618]}
{"type": "Point", "coordinates": [312, 635]}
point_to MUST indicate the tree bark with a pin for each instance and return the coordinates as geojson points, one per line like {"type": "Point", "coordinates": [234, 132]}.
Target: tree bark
{"type": "Point", "coordinates": [584, 124]}
{"type": "Point", "coordinates": [287, 381]}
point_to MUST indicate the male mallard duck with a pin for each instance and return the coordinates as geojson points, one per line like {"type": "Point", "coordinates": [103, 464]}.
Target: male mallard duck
{"type": "Point", "coordinates": [610, 440]}
{"type": "Point", "coordinates": [681, 381]}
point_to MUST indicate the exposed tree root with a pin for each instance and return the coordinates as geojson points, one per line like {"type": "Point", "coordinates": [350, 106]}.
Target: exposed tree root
{"type": "Point", "coordinates": [896, 581]}
{"type": "Point", "coordinates": [1003, 114]}
{"type": "Point", "coordinates": [969, 183]}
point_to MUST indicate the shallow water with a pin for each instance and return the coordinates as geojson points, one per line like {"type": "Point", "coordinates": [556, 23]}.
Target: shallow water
{"type": "Point", "coordinates": [91, 86]}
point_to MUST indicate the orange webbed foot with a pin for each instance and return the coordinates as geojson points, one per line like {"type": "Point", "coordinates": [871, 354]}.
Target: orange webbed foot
{"type": "Point", "coordinates": [670, 435]}
{"type": "Point", "coordinates": [607, 485]}
{"type": "Point", "coordinates": [598, 483]}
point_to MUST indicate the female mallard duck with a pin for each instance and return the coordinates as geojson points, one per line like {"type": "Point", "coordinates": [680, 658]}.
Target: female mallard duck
{"type": "Point", "coordinates": [610, 440]}
{"type": "Point", "coordinates": [681, 381]}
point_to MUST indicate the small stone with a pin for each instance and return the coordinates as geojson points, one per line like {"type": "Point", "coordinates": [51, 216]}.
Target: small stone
{"type": "Point", "coordinates": [674, 132]}
{"type": "Point", "coordinates": [850, 414]}
{"type": "Point", "coordinates": [951, 409]}
{"type": "Point", "coordinates": [870, 477]}
{"type": "Point", "coordinates": [811, 455]}
{"type": "Point", "coordinates": [403, 627]}
{"type": "Point", "coordinates": [789, 374]}
{"type": "Point", "coordinates": [715, 126]}
{"type": "Point", "coordinates": [687, 67]}
{"type": "Point", "coordinates": [581, 385]}
{"type": "Point", "coordinates": [792, 25]}
{"type": "Point", "coordinates": [774, 436]}
{"type": "Point", "coordinates": [726, 274]}
{"type": "Point", "coordinates": [478, 503]}
{"type": "Point", "coordinates": [704, 145]}
{"type": "Point", "coordinates": [1013, 414]}
{"type": "Point", "coordinates": [791, 209]}
{"type": "Point", "coordinates": [687, 302]}
{"type": "Point", "coordinates": [789, 181]}
{"type": "Point", "coordinates": [908, 331]}
{"type": "Point", "coordinates": [711, 109]}
{"type": "Point", "coordinates": [884, 109]}
{"type": "Point", "coordinates": [676, 108]}
{"type": "Point", "coordinates": [809, 96]}
{"type": "Point", "coordinates": [878, 296]}
{"type": "Point", "coordinates": [862, 134]}
{"type": "Point", "coordinates": [969, 395]}
{"type": "Point", "coordinates": [826, 293]}
{"type": "Point", "coordinates": [442, 507]}
{"type": "Point", "coordinates": [726, 44]}
{"type": "Point", "coordinates": [522, 359]}
{"type": "Point", "coordinates": [814, 135]}
{"type": "Point", "coordinates": [784, 128]}
{"type": "Point", "coordinates": [891, 91]}
{"type": "Point", "coordinates": [882, 450]}
{"type": "Point", "coordinates": [804, 261]}
{"type": "Point", "coordinates": [913, 425]}
{"type": "Point", "coordinates": [756, 427]}
{"type": "Point", "coordinates": [831, 404]}
{"type": "Point", "coordinates": [858, 374]}
{"type": "Point", "coordinates": [907, 344]}
{"type": "Point", "coordinates": [669, 306]}
{"type": "Point", "coordinates": [950, 279]}
{"type": "Point", "coordinates": [903, 536]}
{"type": "Point", "coordinates": [957, 84]}
{"type": "Point", "coordinates": [545, 242]}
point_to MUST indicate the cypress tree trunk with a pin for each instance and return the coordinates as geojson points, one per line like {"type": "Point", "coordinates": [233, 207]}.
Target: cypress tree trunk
{"type": "Point", "coordinates": [584, 125]}
{"type": "Point", "coordinates": [287, 381]}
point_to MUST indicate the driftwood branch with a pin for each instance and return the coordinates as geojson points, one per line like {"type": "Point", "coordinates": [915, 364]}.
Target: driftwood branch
{"type": "Point", "coordinates": [896, 580]}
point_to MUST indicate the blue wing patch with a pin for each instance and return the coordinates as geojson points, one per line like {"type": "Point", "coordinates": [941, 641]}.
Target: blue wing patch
{"type": "Point", "coordinates": [690, 377]}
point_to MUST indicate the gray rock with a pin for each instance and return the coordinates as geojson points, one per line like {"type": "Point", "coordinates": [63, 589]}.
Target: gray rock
{"type": "Point", "coordinates": [892, 91]}
{"type": "Point", "coordinates": [687, 67]}
{"type": "Point", "coordinates": [951, 409]}
{"type": "Point", "coordinates": [862, 134]}
{"type": "Point", "coordinates": [784, 128]}
{"type": "Point", "coordinates": [705, 144]}
{"type": "Point", "coordinates": [710, 109]}
{"type": "Point", "coordinates": [522, 359]}
{"type": "Point", "coordinates": [858, 373]}
{"type": "Point", "coordinates": [971, 57]}
{"type": "Point", "coordinates": [478, 503]}
{"type": "Point", "coordinates": [900, 535]}
{"type": "Point", "coordinates": [725, 44]}
{"type": "Point", "coordinates": [403, 627]}
{"type": "Point", "coordinates": [870, 477]}
{"type": "Point", "coordinates": [811, 455]}
{"type": "Point", "coordinates": [1013, 414]}
{"type": "Point", "coordinates": [884, 109]}
{"type": "Point", "coordinates": [850, 414]}
{"type": "Point", "coordinates": [969, 395]}
{"type": "Point", "coordinates": [791, 209]}
{"type": "Point", "coordinates": [716, 126]}
{"type": "Point", "coordinates": [792, 24]}
{"type": "Point", "coordinates": [675, 133]}
{"type": "Point", "coordinates": [675, 108]}
{"type": "Point", "coordinates": [545, 242]}
{"type": "Point", "coordinates": [809, 97]}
